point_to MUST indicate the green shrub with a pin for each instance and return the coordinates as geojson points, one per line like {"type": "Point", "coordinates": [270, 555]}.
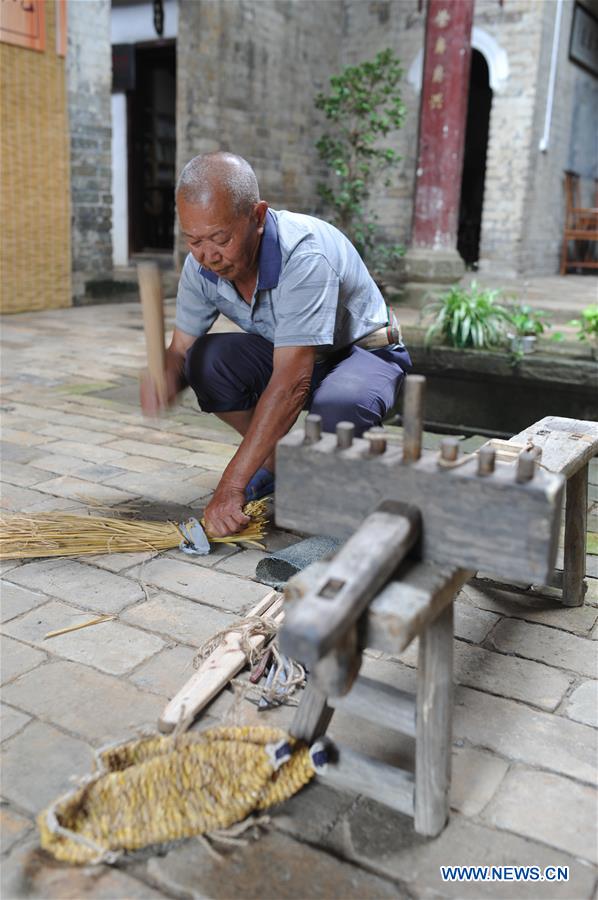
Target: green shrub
{"type": "Point", "coordinates": [587, 326]}
{"type": "Point", "coordinates": [529, 321]}
{"type": "Point", "coordinates": [468, 317]}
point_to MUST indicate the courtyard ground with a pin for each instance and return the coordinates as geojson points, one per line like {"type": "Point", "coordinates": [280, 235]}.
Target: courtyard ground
{"type": "Point", "coordinates": [526, 712]}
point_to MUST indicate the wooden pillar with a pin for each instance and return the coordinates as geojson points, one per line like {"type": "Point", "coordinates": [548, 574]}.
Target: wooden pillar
{"type": "Point", "coordinates": [433, 256]}
{"type": "Point", "coordinates": [576, 518]}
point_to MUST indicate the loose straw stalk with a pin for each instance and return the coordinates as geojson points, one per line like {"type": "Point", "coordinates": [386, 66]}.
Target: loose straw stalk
{"type": "Point", "coordinates": [64, 534]}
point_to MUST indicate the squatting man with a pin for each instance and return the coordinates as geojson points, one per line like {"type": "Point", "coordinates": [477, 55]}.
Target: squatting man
{"type": "Point", "coordinates": [302, 297]}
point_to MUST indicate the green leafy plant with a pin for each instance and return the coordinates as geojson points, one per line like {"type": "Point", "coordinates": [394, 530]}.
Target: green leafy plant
{"type": "Point", "coordinates": [587, 326]}
{"type": "Point", "coordinates": [362, 108]}
{"type": "Point", "coordinates": [468, 317]}
{"type": "Point", "coordinates": [528, 321]}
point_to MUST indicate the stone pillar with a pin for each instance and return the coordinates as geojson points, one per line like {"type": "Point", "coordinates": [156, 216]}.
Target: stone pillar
{"type": "Point", "coordinates": [432, 259]}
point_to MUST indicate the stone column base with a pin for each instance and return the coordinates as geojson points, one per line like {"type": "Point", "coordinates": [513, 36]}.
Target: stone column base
{"type": "Point", "coordinates": [426, 273]}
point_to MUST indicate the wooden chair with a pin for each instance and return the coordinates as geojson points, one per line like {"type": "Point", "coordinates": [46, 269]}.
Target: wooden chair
{"type": "Point", "coordinates": [581, 228]}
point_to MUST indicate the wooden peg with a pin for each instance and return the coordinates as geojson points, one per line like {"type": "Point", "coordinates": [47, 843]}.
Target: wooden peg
{"type": "Point", "coordinates": [526, 466]}
{"type": "Point", "coordinates": [376, 438]}
{"type": "Point", "coordinates": [152, 304]}
{"type": "Point", "coordinates": [313, 428]}
{"type": "Point", "coordinates": [345, 432]}
{"type": "Point", "coordinates": [449, 449]}
{"type": "Point", "coordinates": [486, 460]}
{"type": "Point", "coordinates": [413, 417]}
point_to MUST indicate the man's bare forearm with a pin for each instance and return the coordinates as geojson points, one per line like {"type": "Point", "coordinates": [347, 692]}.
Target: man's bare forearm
{"type": "Point", "coordinates": [275, 413]}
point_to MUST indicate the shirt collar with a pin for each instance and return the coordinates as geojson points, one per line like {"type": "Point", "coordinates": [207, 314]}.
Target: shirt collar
{"type": "Point", "coordinates": [270, 258]}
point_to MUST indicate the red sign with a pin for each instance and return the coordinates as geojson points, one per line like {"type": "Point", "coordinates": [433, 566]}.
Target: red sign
{"type": "Point", "coordinates": [22, 22]}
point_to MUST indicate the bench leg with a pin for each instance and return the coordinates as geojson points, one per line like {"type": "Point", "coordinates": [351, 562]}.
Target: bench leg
{"type": "Point", "coordinates": [576, 518]}
{"type": "Point", "coordinates": [434, 712]}
{"type": "Point", "coordinates": [311, 716]}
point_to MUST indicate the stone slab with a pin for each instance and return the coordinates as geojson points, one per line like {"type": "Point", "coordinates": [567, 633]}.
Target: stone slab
{"type": "Point", "coordinates": [476, 776]}
{"type": "Point", "coordinates": [83, 585]}
{"type": "Point", "coordinates": [374, 836]}
{"type": "Point", "coordinates": [13, 827]}
{"type": "Point", "coordinates": [202, 584]}
{"type": "Point", "coordinates": [578, 620]}
{"type": "Point", "coordinates": [21, 475]}
{"type": "Point", "coordinates": [98, 707]}
{"type": "Point", "coordinates": [243, 563]}
{"type": "Point", "coordinates": [119, 562]}
{"type": "Point", "coordinates": [61, 464]}
{"type": "Point", "coordinates": [527, 803]}
{"type": "Point", "coordinates": [38, 763]}
{"type": "Point", "coordinates": [89, 492]}
{"type": "Point", "coordinates": [16, 658]}
{"type": "Point", "coordinates": [155, 486]}
{"type": "Point", "coordinates": [165, 673]}
{"type": "Point", "coordinates": [87, 452]}
{"type": "Point", "coordinates": [15, 600]}
{"type": "Point", "coordinates": [293, 870]}
{"type": "Point", "coordinates": [472, 624]}
{"type": "Point", "coordinates": [11, 721]}
{"type": "Point", "coordinates": [20, 500]}
{"type": "Point", "coordinates": [74, 433]}
{"type": "Point", "coordinates": [547, 645]}
{"type": "Point", "coordinates": [518, 732]}
{"type": "Point", "coordinates": [176, 617]}
{"type": "Point", "coordinates": [218, 553]}
{"type": "Point", "coordinates": [109, 646]}
{"type": "Point", "coordinates": [312, 812]}
{"type": "Point", "coordinates": [582, 705]}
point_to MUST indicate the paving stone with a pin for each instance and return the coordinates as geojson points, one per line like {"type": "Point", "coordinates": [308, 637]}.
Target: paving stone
{"type": "Point", "coordinates": [13, 827]}
{"type": "Point", "coordinates": [118, 562]}
{"type": "Point", "coordinates": [167, 672]}
{"type": "Point", "coordinates": [178, 618]}
{"type": "Point", "coordinates": [87, 452]}
{"type": "Point", "coordinates": [579, 619]}
{"type": "Point", "coordinates": [99, 472]}
{"type": "Point", "coordinates": [38, 763]}
{"type": "Point", "coordinates": [82, 585]}
{"type": "Point", "coordinates": [293, 870]}
{"type": "Point", "coordinates": [15, 600]}
{"type": "Point", "coordinates": [155, 486]}
{"type": "Point", "coordinates": [11, 721]}
{"type": "Point", "coordinates": [243, 563]}
{"type": "Point", "coordinates": [473, 624]}
{"type": "Point", "coordinates": [529, 736]}
{"type": "Point", "coordinates": [475, 778]}
{"type": "Point", "coordinates": [61, 464]}
{"type": "Point", "coordinates": [384, 841]}
{"type": "Point", "coordinates": [201, 584]}
{"type": "Point", "coordinates": [20, 475]}
{"type": "Point", "coordinates": [98, 707]}
{"type": "Point", "coordinates": [154, 451]}
{"type": "Point", "coordinates": [549, 645]}
{"type": "Point", "coordinates": [16, 658]}
{"type": "Point", "coordinates": [527, 802]}
{"type": "Point", "coordinates": [21, 500]}
{"type": "Point", "coordinates": [582, 705]}
{"type": "Point", "coordinates": [23, 438]}
{"type": "Point", "coordinates": [86, 491]}
{"type": "Point", "coordinates": [73, 433]}
{"type": "Point", "coordinates": [109, 646]}
{"type": "Point", "coordinates": [218, 553]}
{"type": "Point", "coordinates": [15, 453]}
{"type": "Point", "coordinates": [29, 873]}
{"type": "Point", "coordinates": [7, 565]}
{"type": "Point", "coordinates": [312, 812]}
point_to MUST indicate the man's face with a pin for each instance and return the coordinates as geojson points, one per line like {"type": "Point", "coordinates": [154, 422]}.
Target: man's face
{"type": "Point", "coordinates": [220, 240]}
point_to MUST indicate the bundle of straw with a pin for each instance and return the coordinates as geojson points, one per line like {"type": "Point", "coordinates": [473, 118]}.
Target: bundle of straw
{"type": "Point", "coordinates": [62, 534]}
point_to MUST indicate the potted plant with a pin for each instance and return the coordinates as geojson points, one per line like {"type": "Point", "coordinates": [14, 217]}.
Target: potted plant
{"type": "Point", "coordinates": [587, 327]}
{"type": "Point", "coordinates": [529, 324]}
{"type": "Point", "coordinates": [467, 317]}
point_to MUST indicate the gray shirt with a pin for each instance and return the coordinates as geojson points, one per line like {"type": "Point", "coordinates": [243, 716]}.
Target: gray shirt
{"type": "Point", "coordinates": [313, 289]}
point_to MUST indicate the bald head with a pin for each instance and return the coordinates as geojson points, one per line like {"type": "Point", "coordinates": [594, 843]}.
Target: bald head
{"type": "Point", "coordinates": [214, 177]}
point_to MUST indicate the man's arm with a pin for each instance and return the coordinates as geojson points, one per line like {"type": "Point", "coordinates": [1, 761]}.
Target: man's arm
{"type": "Point", "coordinates": [175, 378]}
{"type": "Point", "coordinates": [275, 413]}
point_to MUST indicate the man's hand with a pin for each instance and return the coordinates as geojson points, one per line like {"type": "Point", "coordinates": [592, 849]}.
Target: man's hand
{"type": "Point", "coordinates": [224, 513]}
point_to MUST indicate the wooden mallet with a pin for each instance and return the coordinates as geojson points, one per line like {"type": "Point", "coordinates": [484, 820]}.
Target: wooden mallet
{"type": "Point", "coordinates": [152, 304]}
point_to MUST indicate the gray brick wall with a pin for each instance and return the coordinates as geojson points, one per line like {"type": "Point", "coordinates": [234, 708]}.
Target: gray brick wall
{"type": "Point", "coordinates": [247, 76]}
{"type": "Point", "coordinates": [89, 81]}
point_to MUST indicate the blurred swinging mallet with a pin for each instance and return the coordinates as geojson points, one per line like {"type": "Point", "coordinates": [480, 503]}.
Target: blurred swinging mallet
{"type": "Point", "coordinates": [152, 304]}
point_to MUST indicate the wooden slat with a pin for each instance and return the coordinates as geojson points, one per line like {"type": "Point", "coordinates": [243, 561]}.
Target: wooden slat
{"type": "Point", "coordinates": [576, 518]}
{"type": "Point", "coordinates": [311, 716]}
{"type": "Point", "coordinates": [487, 523]}
{"type": "Point", "coordinates": [434, 725]}
{"type": "Point", "coordinates": [379, 703]}
{"type": "Point", "coordinates": [361, 774]}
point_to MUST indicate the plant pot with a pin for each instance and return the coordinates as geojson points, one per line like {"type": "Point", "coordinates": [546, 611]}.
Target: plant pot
{"type": "Point", "coordinates": [523, 343]}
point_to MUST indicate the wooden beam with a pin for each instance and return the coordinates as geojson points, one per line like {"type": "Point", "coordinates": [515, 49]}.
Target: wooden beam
{"type": "Point", "coordinates": [360, 774]}
{"type": "Point", "coordinates": [576, 523]}
{"type": "Point", "coordinates": [380, 704]}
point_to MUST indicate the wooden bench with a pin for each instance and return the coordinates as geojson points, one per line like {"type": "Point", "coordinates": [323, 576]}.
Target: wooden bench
{"type": "Point", "coordinates": [568, 446]}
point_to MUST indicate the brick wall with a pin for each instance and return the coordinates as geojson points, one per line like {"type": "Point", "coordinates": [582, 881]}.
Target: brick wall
{"type": "Point", "coordinates": [34, 177]}
{"type": "Point", "coordinates": [89, 79]}
{"type": "Point", "coordinates": [247, 76]}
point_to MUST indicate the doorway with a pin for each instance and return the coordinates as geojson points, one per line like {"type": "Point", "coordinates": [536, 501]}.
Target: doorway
{"type": "Point", "coordinates": [152, 149]}
{"type": "Point", "coordinates": [474, 160]}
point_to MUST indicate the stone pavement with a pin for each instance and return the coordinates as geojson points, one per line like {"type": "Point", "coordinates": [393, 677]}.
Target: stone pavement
{"type": "Point", "coordinates": [526, 717]}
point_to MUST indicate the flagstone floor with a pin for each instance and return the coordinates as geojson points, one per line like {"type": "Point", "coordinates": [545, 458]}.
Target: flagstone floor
{"type": "Point", "coordinates": [526, 716]}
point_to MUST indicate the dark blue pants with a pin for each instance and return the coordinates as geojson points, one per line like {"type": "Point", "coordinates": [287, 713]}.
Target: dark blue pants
{"type": "Point", "coordinates": [230, 372]}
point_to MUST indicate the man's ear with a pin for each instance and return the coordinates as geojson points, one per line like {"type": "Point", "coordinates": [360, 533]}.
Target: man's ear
{"type": "Point", "coordinates": [259, 210]}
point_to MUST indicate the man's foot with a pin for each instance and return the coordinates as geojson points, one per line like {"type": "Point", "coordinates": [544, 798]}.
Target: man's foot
{"type": "Point", "coordinates": [260, 485]}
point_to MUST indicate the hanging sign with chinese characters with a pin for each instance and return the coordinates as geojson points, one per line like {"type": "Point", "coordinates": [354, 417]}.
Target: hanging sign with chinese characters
{"type": "Point", "coordinates": [22, 22]}
{"type": "Point", "coordinates": [442, 121]}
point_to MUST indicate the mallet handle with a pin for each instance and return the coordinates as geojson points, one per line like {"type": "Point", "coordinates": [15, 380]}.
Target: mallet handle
{"type": "Point", "coordinates": [152, 304]}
